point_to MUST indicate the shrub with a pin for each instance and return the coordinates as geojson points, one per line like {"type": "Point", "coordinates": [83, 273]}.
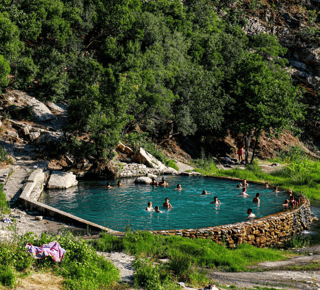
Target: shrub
{"type": "Point", "coordinates": [172, 163]}
{"type": "Point", "coordinates": [4, 205]}
{"type": "Point", "coordinates": [7, 277]}
{"type": "Point", "coordinates": [3, 155]}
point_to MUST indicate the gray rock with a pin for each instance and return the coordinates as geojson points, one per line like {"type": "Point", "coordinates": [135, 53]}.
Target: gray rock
{"type": "Point", "coordinates": [60, 179]}
{"type": "Point", "coordinates": [54, 108]}
{"type": "Point", "coordinates": [13, 135]}
{"type": "Point", "coordinates": [298, 65]}
{"type": "Point", "coordinates": [39, 218]}
{"type": "Point", "coordinates": [40, 110]}
{"type": "Point", "coordinates": [170, 170]}
{"type": "Point", "coordinates": [144, 157]}
{"type": "Point", "coordinates": [150, 175]}
{"type": "Point", "coordinates": [143, 179]}
{"type": "Point", "coordinates": [34, 135]}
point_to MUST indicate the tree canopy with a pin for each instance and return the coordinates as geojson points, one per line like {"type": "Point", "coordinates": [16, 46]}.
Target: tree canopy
{"type": "Point", "coordinates": [171, 68]}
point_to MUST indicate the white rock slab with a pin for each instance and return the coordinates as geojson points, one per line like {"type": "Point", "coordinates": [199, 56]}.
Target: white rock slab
{"type": "Point", "coordinates": [145, 180]}
{"type": "Point", "coordinates": [60, 179]}
{"type": "Point", "coordinates": [144, 157]}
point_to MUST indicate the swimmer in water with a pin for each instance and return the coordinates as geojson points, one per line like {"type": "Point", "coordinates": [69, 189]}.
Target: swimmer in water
{"type": "Point", "coordinates": [166, 203]}
{"type": "Point", "coordinates": [251, 215]}
{"type": "Point", "coordinates": [244, 183]}
{"type": "Point", "coordinates": [292, 202]}
{"type": "Point", "coordinates": [149, 207]}
{"type": "Point", "coordinates": [215, 200]}
{"type": "Point", "coordinates": [290, 192]}
{"type": "Point", "coordinates": [204, 192]}
{"type": "Point", "coordinates": [119, 183]}
{"type": "Point", "coordinates": [286, 203]}
{"type": "Point", "coordinates": [154, 182]}
{"type": "Point", "coordinates": [178, 187]}
{"type": "Point", "coordinates": [108, 185]}
{"type": "Point", "coordinates": [275, 189]}
{"type": "Point", "coordinates": [256, 199]}
{"type": "Point", "coordinates": [244, 192]}
{"type": "Point", "coordinates": [156, 209]}
{"type": "Point", "coordinates": [163, 182]}
{"type": "Point", "coordinates": [267, 184]}
{"type": "Point", "coordinates": [239, 185]}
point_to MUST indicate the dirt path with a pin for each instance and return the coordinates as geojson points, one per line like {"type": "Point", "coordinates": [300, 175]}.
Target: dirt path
{"type": "Point", "coordinates": [274, 274]}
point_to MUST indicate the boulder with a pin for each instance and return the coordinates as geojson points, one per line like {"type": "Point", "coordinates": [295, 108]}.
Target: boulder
{"type": "Point", "coordinates": [40, 110]}
{"type": "Point", "coordinates": [55, 109]}
{"type": "Point", "coordinates": [170, 170]}
{"type": "Point", "coordinates": [145, 180]}
{"type": "Point", "coordinates": [60, 179]}
{"type": "Point", "coordinates": [150, 175]}
{"type": "Point", "coordinates": [34, 135]}
{"type": "Point", "coordinates": [124, 149]}
{"type": "Point", "coordinates": [146, 158]}
{"type": "Point", "coordinates": [13, 135]}
{"type": "Point", "coordinates": [26, 130]}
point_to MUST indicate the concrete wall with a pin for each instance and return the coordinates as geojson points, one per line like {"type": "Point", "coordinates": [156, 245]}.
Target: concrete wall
{"type": "Point", "coordinates": [31, 193]}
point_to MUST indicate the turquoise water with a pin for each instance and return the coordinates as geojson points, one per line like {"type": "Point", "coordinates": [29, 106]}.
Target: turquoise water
{"type": "Point", "coordinates": [117, 208]}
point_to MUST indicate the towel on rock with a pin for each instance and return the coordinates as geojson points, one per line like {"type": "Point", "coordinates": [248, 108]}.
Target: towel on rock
{"type": "Point", "coordinates": [52, 249]}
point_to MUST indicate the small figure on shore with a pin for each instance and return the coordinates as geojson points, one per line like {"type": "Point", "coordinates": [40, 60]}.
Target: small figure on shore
{"type": "Point", "coordinates": [156, 209]}
{"type": "Point", "coordinates": [166, 203]}
{"type": "Point", "coordinates": [149, 207]}
{"type": "Point", "coordinates": [108, 185]}
{"type": "Point", "coordinates": [244, 192]}
{"type": "Point", "coordinates": [286, 203]}
{"type": "Point", "coordinates": [267, 184]}
{"type": "Point", "coordinates": [119, 183]}
{"type": "Point", "coordinates": [275, 189]}
{"type": "Point", "coordinates": [256, 199]}
{"type": "Point", "coordinates": [215, 200]}
{"type": "Point", "coordinates": [290, 192]}
{"type": "Point", "coordinates": [251, 215]}
{"type": "Point", "coordinates": [154, 182]}
{"type": "Point", "coordinates": [240, 152]}
{"type": "Point", "coordinates": [163, 182]}
{"type": "Point", "coordinates": [178, 187]}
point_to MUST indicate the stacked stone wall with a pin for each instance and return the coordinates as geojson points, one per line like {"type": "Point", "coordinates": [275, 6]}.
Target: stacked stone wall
{"type": "Point", "coordinates": [270, 231]}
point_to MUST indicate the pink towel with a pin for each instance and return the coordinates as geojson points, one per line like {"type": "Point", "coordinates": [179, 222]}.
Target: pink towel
{"type": "Point", "coordinates": [52, 249]}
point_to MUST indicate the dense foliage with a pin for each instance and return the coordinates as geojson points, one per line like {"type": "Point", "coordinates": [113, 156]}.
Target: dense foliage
{"type": "Point", "coordinates": [166, 67]}
{"type": "Point", "coordinates": [81, 267]}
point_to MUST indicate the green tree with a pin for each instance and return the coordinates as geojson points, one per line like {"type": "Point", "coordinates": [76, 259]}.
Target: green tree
{"type": "Point", "coordinates": [264, 98]}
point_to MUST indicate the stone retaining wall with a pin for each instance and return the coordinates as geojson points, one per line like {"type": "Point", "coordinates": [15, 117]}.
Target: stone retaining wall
{"type": "Point", "coordinates": [270, 231]}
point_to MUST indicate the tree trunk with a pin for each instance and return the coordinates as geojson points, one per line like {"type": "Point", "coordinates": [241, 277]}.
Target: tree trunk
{"type": "Point", "coordinates": [255, 146]}
{"type": "Point", "coordinates": [247, 144]}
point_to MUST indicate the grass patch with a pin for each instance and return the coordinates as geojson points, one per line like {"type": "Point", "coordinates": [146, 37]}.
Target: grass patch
{"type": "Point", "coordinates": [198, 252]}
{"type": "Point", "coordinates": [185, 256]}
{"type": "Point", "coordinates": [171, 163]}
{"type": "Point", "coordinates": [302, 175]}
{"type": "Point", "coordinates": [81, 267]}
{"type": "Point", "coordinates": [4, 205]}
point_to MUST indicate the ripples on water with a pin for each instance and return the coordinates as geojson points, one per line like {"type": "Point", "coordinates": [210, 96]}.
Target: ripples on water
{"type": "Point", "coordinates": [117, 208]}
